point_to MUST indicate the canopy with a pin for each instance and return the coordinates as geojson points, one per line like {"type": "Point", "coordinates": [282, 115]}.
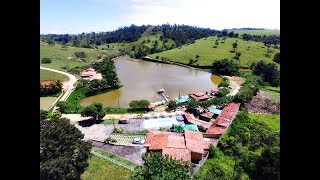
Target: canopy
{"type": "Point", "coordinates": [180, 118]}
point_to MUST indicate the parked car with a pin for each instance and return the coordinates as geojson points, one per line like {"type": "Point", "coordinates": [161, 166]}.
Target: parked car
{"type": "Point", "coordinates": [138, 141]}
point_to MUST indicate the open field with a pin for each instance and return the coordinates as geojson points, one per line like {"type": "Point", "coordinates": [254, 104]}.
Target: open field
{"type": "Point", "coordinates": [49, 75]}
{"type": "Point", "coordinates": [59, 56]}
{"type": "Point", "coordinates": [272, 91]}
{"type": "Point", "coordinates": [272, 120]}
{"type": "Point", "coordinates": [100, 169]}
{"type": "Point", "coordinates": [250, 51]}
{"type": "Point", "coordinates": [267, 32]}
{"type": "Point", "coordinates": [46, 102]}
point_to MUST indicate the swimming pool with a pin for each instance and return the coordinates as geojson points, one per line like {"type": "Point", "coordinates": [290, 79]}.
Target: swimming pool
{"type": "Point", "coordinates": [183, 99]}
{"type": "Point", "coordinates": [159, 122]}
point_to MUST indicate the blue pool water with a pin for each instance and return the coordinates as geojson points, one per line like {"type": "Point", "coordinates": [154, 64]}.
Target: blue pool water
{"type": "Point", "coordinates": [215, 111]}
{"type": "Point", "coordinates": [182, 100]}
{"type": "Point", "coordinates": [159, 122]}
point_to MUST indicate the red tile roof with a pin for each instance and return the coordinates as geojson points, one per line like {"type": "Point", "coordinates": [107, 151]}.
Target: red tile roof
{"type": "Point", "coordinates": [216, 130]}
{"type": "Point", "coordinates": [193, 120]}
{"type": "Point", "coordinates": [159, 142]}
{"type": "Point", "coordinates": [194, 141]}
{"type": "Point", "coordinates": [88, 73]}
{"type": "Point", "coordinates": [207, 114]}
{"type": "Point", "coordinates": [180, 154]}
{"type": "Point", "coordinates": [176, 141]}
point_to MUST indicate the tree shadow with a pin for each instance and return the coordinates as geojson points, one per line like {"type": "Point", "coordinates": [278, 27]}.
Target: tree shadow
{"type": "Point", "coordinates": [87, 123]}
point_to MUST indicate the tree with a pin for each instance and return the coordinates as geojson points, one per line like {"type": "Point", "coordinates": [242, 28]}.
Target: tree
{"type": "Point", "coordinates": [224, 32]}
{"type": "Point", "coordinates": [236, 35]}
{"type": "Point", "coordinates": [64, 107]}
{"type": "Point", "coordinates": [276, 58]}
{"type": "Point", "coordinates": [43, 115]}
{"type": "Point", "coordinates": [63, 155]}
{"type": "Point", "coordinates": [54, 115]}
{"type": "Point", "coordinates": [139, 104]}
{"type": "Point", "coordinates": [231, 34]}
{"type": "Point", "coordinates": [51, 42]}
{"type": "Point", "coordinates": [172, 105]}
{"type": "Point", "coordinates": [46, 60]}
{"type": "Point", "coordinates": [225, 67]}
{"type": "Point", "coordinates": [234, 46]}
{"type": "Point", "coordinates": [95, 110]}
{"type": "Point", "coordinates": [178, 128]}
{"type": "Point", "coordinates": [157, 166]}
{"type": "Point", "coordinates": [268, 71]}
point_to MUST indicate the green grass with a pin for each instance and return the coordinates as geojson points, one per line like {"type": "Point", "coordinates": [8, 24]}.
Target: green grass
{"type": "Point", "coordinates": [46, 102]}
{"type": "Point", "coordinates": [49, 75]}
{"type": "Point", "coordinates": [59, 56]}
{"type": "Point", "coordinates": [204, 48]}
{"type": "Point", "coordinates": [115, 157]}
{"type": "Point", "coordinates": [273, 91]}
{"type": "Point", "coordinates": [109, 121]}
{"type": "Point", "coordinates": [267, 32]}
{"type": "Point", "coordinates": [100, 169]}
{"type": "Point", "coordinates": [124, 111]}
{"type": "Point", "coordinates": [272, 120]}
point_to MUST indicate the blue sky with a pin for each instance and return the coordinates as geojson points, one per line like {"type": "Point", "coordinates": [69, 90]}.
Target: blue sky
{"type": "Point", "coordinates": [77, 16]}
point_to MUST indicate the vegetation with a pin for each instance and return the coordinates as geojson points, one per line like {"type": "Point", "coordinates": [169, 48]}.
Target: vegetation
{"type": "Point", "coordinates": [94, 110]}
{"type": "Point", "coordinates": [272, 120]}
{"type": "Point", "coordinates": [268, 71]}
{"type": "Point", "coordinates": [224, 83]}
{"type": "Point", "coordinates": [102, 169]}
{"type": "Point", "coordinates": [172, 105]}
{"type": "Point", "coordinates": [110, 121]}
{"type": "Point", "coordinates": [46, 60]}
{"type": "Point", "coordinates": [251, 31]}
{"type": "Point", "coordinates": [64, 107]}
{"type": "Point", "coordinates": [157, 166]}
{"type": "Point", "coordinates": [208, 54]}
{"type": "Point", "coordinates": [276, 58]}
{"type": "Point", "coordinates": [52, 88]}
{"type": "Point", "coordinates": [273, 91]}
{"type": "Point", "coordinates": [139, 104]}
{"type": "Point", "coordinates": [46, 102]}
{"type": "Point", "coordinates": [74, 99]}
{"type": "Point", "coordinates": [225, 67]}
{"type": "Point", "coordinates": [63, 155]}
{"type": "Point", "coordinates": [49, 75]}
{"type": "Point", "coordinates": [222, 92]}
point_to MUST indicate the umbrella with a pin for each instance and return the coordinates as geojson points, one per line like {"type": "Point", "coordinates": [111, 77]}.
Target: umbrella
{"type": "Point", "coordinates": [180, 118]}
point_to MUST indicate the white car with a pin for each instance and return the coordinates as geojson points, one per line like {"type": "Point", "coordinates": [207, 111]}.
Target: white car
{"type": "Point", "coordinates": [138, 141]}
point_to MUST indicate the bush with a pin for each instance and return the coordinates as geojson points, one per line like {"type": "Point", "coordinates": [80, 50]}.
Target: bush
{"type": "Point", "coordinates": [224, 83]}
{"type": "Point", "coordinates": [276, 58]}
{"type": "Point", "coordinates": [139, 104]}
{"type": "Point", "coordinates": [225, 67]}
{"type": "Point", "coordinates": [80, 54]}
{"type": "Point", "coordinates": [46, 60]}
{"type": "Point", "coordinates": [64, 107]}
{"type": "Point", "coordinates": [222, 92]}
{"type": "Point", "coordinates": [118, 130]}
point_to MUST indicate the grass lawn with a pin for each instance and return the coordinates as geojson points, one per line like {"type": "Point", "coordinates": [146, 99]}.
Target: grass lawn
{"type": "Point", "coordinates": [49, 75]}
{"type": "Point", "coordinates": [250, 51]}
{"type": "Point", "coordinates": [266, 32]}
{"type": "Point", "coordinates": [272, 120]}
{"type": "Point", "coordinates": [115, 157]}
{"type": "Point", "coordinates": [46, 102]}
{"type": "Point", "coordinates": [109, 121]}
{"type": "Point", "coordinates": [273, 91]}
{"type": "Point", "coordinates": [100, 169]}
{"type": "Point", "coordinates": [59, 56]}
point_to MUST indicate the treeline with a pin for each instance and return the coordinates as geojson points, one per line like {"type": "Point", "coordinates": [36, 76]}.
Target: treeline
{"type": "Point", "coordinates": [183, 34]}
{"type": "Point", "coordinates": [50, 88]}
{"type": "Point", "coordinates": [90, 40]}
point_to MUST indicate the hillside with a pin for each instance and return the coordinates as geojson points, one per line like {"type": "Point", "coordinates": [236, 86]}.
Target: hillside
{"type": "Point", "coordinates": [250, 51]}
{"type": "Point", "coordinates": [59, 56]}
{"type": "Point", "coordinates": [267, 32]}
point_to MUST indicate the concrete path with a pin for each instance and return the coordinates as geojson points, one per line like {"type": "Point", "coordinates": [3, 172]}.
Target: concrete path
{"type": "Point", "coordinates": [68, 86]}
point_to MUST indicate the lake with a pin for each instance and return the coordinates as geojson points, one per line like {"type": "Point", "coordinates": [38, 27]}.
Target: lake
{"type": "Point", "coordinates": [142, 80]}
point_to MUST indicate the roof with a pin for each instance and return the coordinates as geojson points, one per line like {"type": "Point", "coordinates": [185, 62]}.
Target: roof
{"type": "Point", "coordinates": [207, 115]}
{"type": "Point", "coordinates": [198, 98]}
{"type": "Point", "coordinates": [193, 120]}
{"type": "Point", "coordinates": [194, 141]}
{"type": "Point", "coordinates": [96, 76]}
{"type": "Point", "coordinates": [215, 111]}
{"type": "Point", "coordinates": [88, 73]}
{"type": "Point", "coordinates": [176, 140]}
{"type": "Point", "coordinates": [224, 119]}
{"type": "Point", "coordinates": [159, 142]}
{"type": "Point", "coordinates": [123, 118]}
{"type": "Point", "coordinates": [47, 82]}
{"type": "Point", "coordinates": [179, 154]}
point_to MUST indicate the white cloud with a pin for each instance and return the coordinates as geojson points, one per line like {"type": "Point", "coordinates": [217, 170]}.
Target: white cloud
{"type": "Point", "coordinates": [217, 14]}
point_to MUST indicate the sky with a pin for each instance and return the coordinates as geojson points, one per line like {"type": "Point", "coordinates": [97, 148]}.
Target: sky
{"type": "Point", "coordinates": [77, 16]}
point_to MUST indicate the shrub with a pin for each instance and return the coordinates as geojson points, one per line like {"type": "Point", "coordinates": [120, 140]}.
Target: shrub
{"type": "Point", "coordinates": [118, 130]}
{"type": "Point", "coordinates": [64, 107]}
{"type": "Point", "coordinates": [224, 83]}
{"type": "Point", "coordinates": [222, 92]}
{"type": "Point", "coordinates": [225, 67]}
{"type": "Point", "coordinates": [46, 60]}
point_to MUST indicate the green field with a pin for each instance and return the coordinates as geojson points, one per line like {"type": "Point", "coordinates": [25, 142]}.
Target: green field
{"type": "Point", "coordinates": [46, 102]}
{"type": "Point", "coordinates": [100, 169]}
{"type": "Point", "coordinates": [49, 75]}
{"type": "Point", "coordinates": [267, 32]}
{"type": "Point", "coordinates": [115, 157]}
{"type": "Point", "coordinates": [250, 51]}
{"type": "Point", "coordinates": [272, 120]}
{"type": "Point", "coordinates": [273, 91]}
{"type": "Point", "coordinates": [59, 56]}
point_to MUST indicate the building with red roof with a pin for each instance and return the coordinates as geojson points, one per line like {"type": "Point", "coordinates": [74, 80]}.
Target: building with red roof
{"type": "Point", "coordinates": [90, 74]}
{"type": "Point", "coordinates": [198, 96]}
{"type": "Point", "coordinates": [207, 116]}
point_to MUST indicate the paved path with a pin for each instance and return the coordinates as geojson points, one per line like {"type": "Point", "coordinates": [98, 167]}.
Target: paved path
{"type": "Point", "coordinates": [68, 86]}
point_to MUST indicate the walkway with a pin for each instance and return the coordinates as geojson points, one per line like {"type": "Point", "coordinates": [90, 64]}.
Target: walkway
{"type": "Point", "coordinates": [68, 86]}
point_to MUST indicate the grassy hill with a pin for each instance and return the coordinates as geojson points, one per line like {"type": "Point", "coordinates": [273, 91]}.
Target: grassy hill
{"type": "Point", "coordinates": [250, 51]}
{"type": "Point", "coordinates": [267, 32]}
{"type": "Point", "coordinates": [59, 56]}
{"type": "Point", "coordinates": [148, 38]}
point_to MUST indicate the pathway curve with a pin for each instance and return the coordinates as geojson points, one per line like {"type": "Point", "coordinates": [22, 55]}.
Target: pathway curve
{"type": "Point", "coordinates": [68, 86]}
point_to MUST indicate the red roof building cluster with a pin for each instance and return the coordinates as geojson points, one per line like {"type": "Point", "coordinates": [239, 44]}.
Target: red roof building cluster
{"type": "Point", "coordinates": [91, 74]}
{"type": "Point", "coordinates": [188, 146]}
{"type": "Point", "coordinates": [190, 118]}
{"type": "Point", "coordinates": [198, 96]}
{"type": "Point", "coordinates": [220, 125]}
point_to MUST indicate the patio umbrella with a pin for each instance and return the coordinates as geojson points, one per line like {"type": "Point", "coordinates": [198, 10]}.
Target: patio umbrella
{"type": "Point", "coordinates": [180, 118]}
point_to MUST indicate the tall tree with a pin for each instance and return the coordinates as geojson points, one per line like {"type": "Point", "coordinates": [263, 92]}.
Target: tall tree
{"type": "Point", "coordinates": [157, 166]}
{"type": "Point", "coordinates": [94, 110]}
{"type": "Point", "coordinates": [63, 155]}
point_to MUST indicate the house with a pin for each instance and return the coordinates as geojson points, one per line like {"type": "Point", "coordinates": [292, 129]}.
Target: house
{"type": "Point", "coordinates": [198, 96]}
{"type": "Point", "coordinates": [123, 119]}
{"type": "Point", "coordinates": [207, 116]}
{"type": "Point", "coordinates": [189, 146]}
{"type": "Point", "coordinates": [221, 124]}
{"type": "Point", "coordinates": [90, 74]}
{"type": "Point", "coordinates": [189, 118]}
